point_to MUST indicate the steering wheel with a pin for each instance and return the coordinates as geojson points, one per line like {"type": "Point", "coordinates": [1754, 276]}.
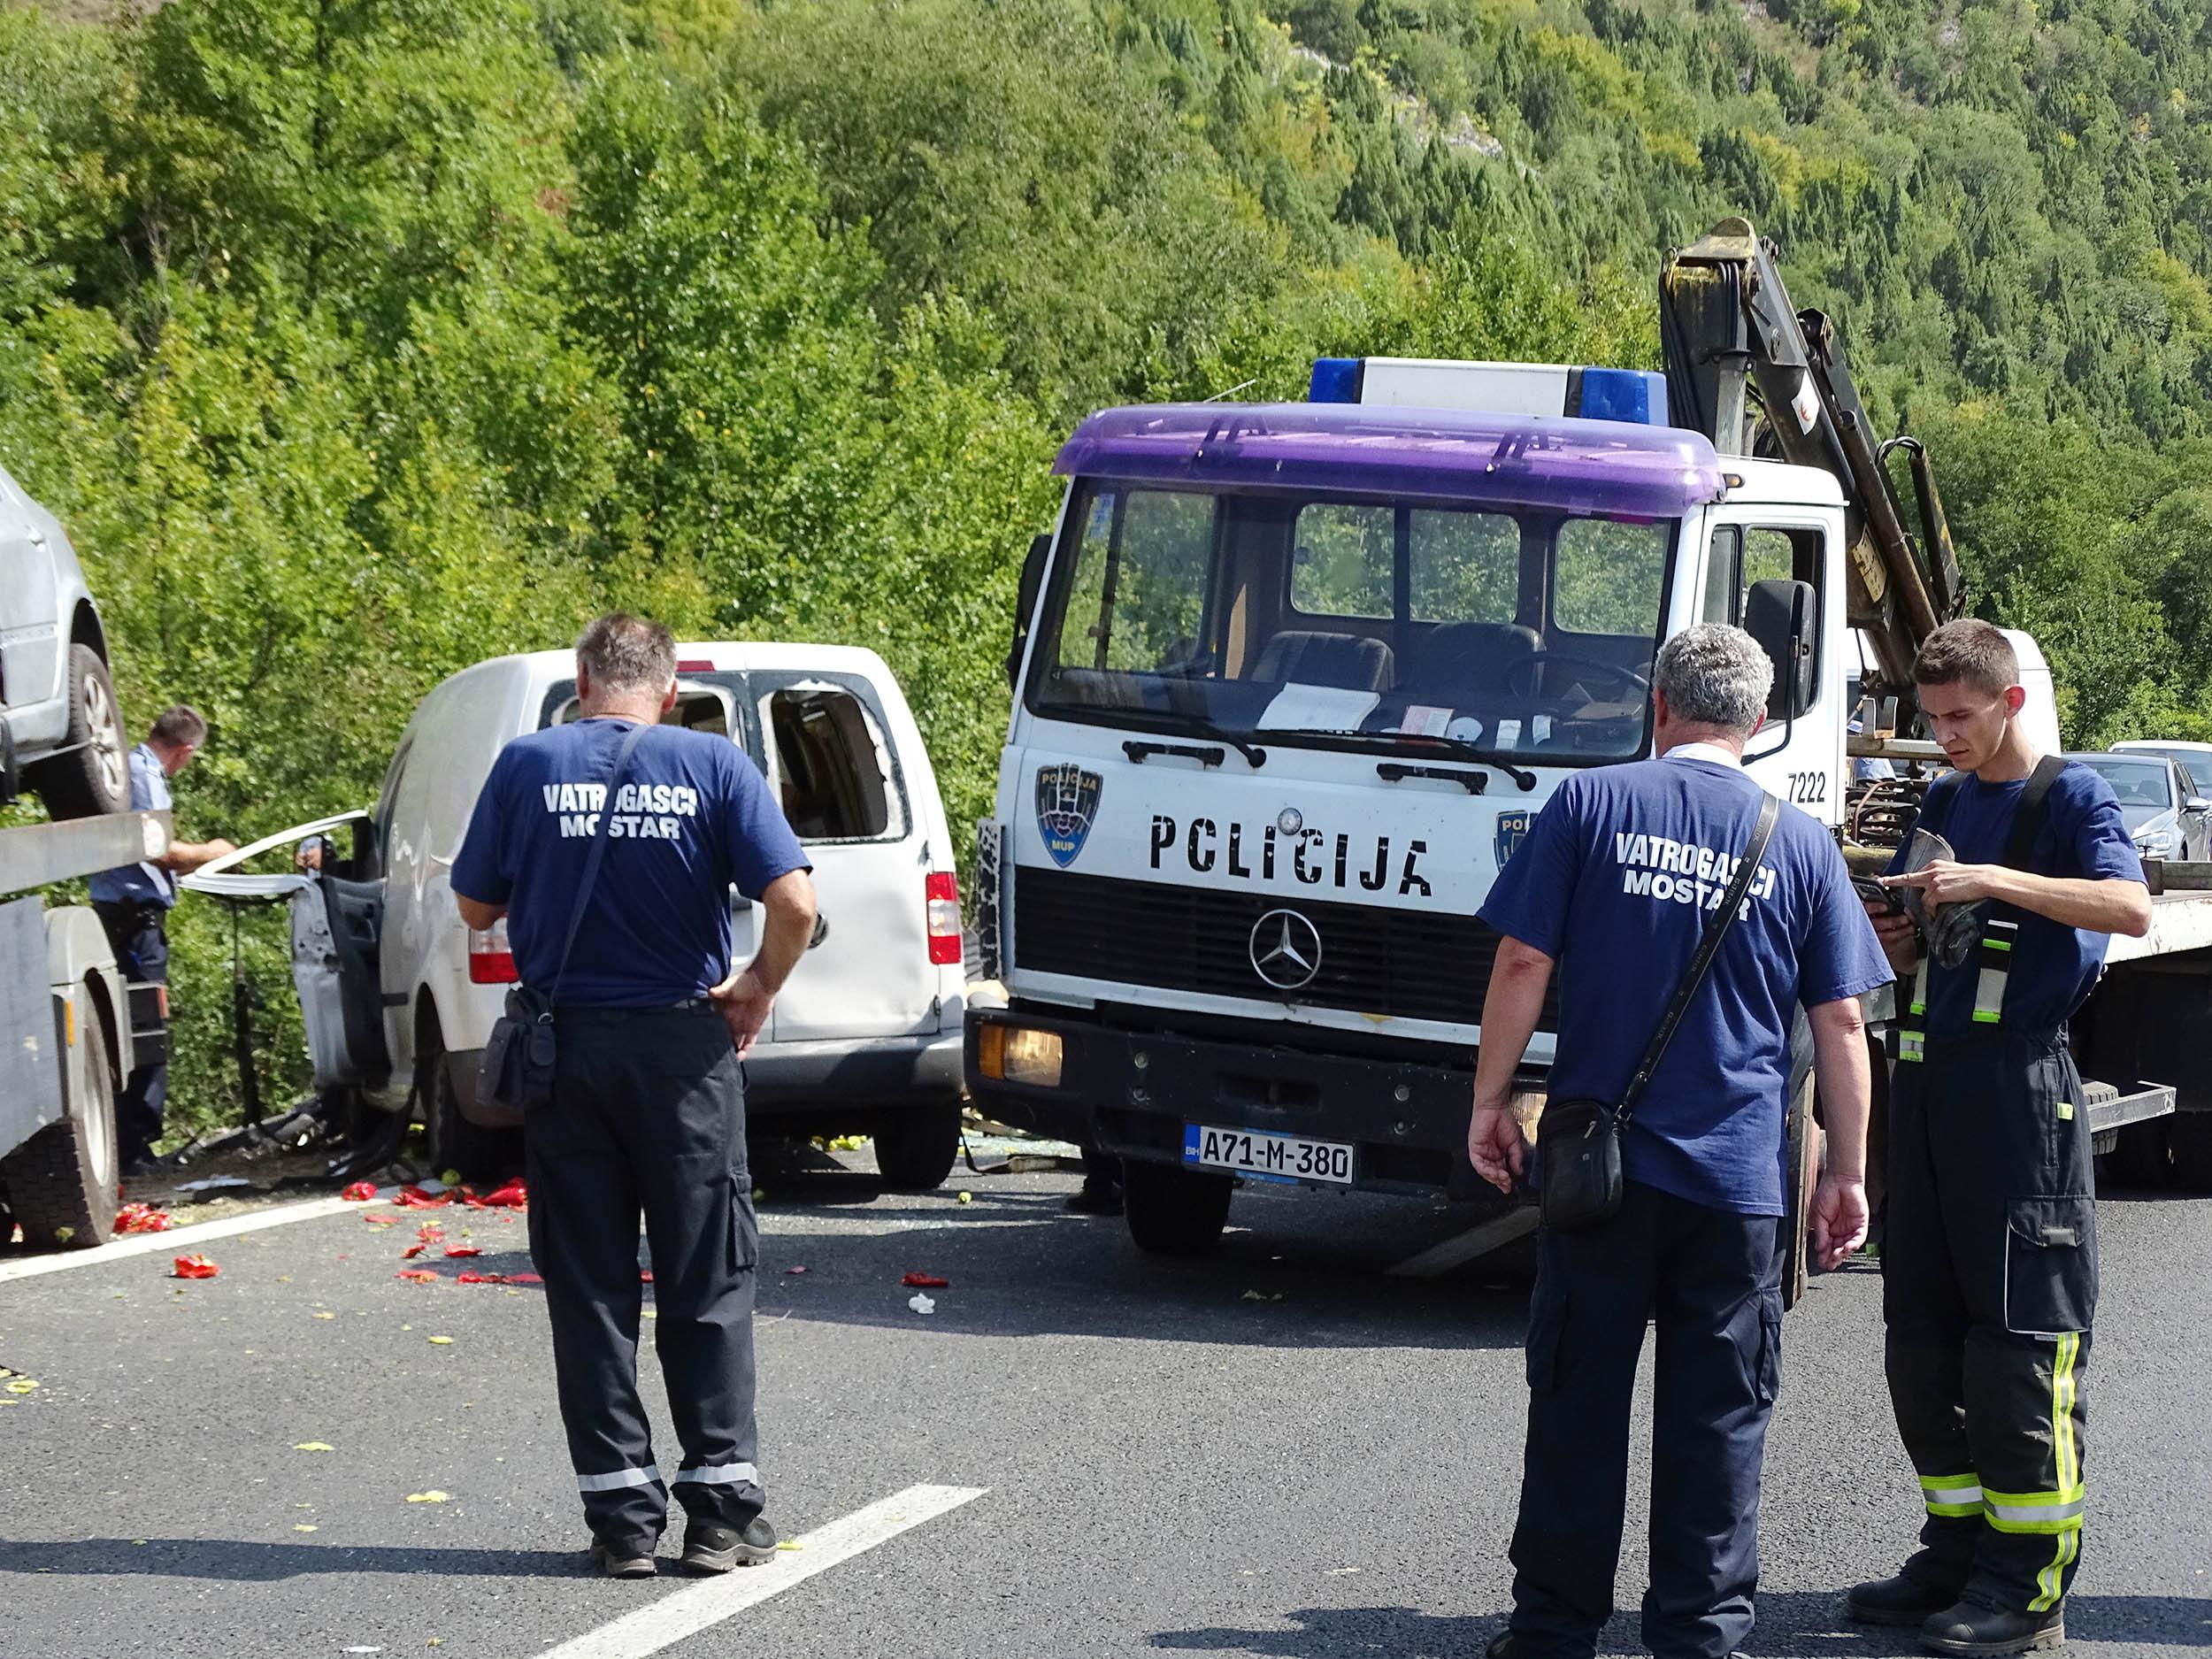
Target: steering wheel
{"type": "Point", "coordinates": [1634, 684]}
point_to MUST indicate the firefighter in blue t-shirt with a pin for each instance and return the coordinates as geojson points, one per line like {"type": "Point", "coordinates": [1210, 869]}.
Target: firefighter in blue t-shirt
{"type": "Point", "coordinates": [611, 844]}
{"type": "Point", "coordinates": [1989, 1254]}
{"type": "Point", "coordinates": [1613, 884]}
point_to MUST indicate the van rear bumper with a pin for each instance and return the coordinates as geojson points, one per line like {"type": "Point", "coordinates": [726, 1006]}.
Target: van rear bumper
{"type": "Point", "coordinates": [871, 1072]}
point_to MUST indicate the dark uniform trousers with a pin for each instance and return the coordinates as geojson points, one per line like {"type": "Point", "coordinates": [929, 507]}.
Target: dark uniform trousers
{"type": "Point", "coordinates": [1989, 1289]}
{"type": "Point", "coordinates": [137, 934]}
{"type": "Point", "coordinates": [649, 1112]}
{"type": "Point", "coordinates": [1710, 1279]}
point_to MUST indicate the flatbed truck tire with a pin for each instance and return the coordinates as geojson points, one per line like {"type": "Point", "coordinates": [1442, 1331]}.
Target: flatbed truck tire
{"type": "Point", "coordinates": [61, 1183]}
{"type": "Point", "coordinates": [2189, 1137]}
{"type": "Point", "coordinates": [1174, 1211]}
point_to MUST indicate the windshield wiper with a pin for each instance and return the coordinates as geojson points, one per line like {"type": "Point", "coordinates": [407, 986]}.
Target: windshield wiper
{"type": "Point", "coordinates": [1197, 726]}
{"type": "Point", "coordinates": [1419, 742]}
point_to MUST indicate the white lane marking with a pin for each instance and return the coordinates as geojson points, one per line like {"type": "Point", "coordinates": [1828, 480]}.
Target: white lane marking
{"type": "Point", "coordinates": [1492, 1234]}
{"type": "Point", "coordinates": [178, 1240]}
{"type": "Point", "coordinates": [704, 1605]}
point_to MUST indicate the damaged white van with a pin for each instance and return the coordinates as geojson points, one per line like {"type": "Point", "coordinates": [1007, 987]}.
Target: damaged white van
{"type": "Point", "coordinates": [399, 995]}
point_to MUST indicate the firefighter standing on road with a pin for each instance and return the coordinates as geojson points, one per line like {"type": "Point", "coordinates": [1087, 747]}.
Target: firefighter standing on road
{"type": "Point", "coordinates": [1989, 1263]}
{"type": "Point", "coordinates": [647, 1104]}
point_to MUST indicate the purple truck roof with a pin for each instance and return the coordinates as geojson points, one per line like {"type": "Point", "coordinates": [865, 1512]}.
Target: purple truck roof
{"type": "Point", "coordinates": [1580, 466]}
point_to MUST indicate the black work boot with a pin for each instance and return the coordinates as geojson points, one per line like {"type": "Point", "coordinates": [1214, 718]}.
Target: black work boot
{"type": "Point", "coordinates": [711, 1546]}
{"type": "Point", "coordinates": [1903, 1601]}
{"type": "Point", "coordinates": [622, 1560]}
{"type": "Point", "coordinates": [1971, 1628]}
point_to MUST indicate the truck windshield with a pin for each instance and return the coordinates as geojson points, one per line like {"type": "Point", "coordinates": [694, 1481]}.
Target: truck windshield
{"type": "Point", "coordinates": [1528, 632]}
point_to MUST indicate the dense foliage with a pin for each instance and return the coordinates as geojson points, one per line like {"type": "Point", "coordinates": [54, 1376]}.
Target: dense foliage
{"type": "Point", "coordinates": [356, 340]}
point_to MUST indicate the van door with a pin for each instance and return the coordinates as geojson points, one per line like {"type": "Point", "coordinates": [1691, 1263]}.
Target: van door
{"type": "Point", "coordinates": [337, 924]}
{"type": "Point", "coordinates": [829, 758]}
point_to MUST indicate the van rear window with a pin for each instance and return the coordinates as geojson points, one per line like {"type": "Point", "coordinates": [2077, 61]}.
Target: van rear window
{"type": "Point", "coordinates": [830, 767]}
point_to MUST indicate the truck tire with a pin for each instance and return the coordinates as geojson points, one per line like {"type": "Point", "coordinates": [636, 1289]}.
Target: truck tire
{"type": "Point", "coordinates": [1173, 1211]}
{"type": "Point", "coordinates": [2141, 1158]}
{"type": "Point", "coordinates": [916, 1149]}
{"type": "Point", "coordinates": [94, 777]}
{"type": "Point", "coordinates": [477, 1153]}
{"type": "Point", "coordinates": [61, 1183]}
{"type": "Point", "coordinates": [2189, 1134]}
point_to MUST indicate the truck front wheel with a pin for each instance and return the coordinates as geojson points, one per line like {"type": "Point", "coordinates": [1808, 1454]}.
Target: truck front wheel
{"type": "Point", "coordinates": [917, 1146]}
{"type": "Point", "coordinates": [1173, 1211]}
{"type": "Point", "coordinates": [61, 1182]}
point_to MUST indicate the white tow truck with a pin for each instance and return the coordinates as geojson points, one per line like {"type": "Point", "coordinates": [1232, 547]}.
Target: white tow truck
{"type": "Point", "coordinates": [71, 1029]}
{"type": "Point", "coordinates": [1292, 681]}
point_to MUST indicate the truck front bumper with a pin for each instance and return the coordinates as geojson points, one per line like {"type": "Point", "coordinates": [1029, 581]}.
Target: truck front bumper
{"type": "Point", "coordinates": [1132, 1093]}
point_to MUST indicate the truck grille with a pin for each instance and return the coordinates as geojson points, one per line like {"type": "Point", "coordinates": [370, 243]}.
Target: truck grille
{"type": "Point", "coordinates": [1411, 965]}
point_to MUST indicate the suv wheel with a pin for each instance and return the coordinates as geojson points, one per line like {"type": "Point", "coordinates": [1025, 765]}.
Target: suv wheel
{"type": "Point", "coordinates": [917, 1147]}
{"type": "Point", "coordinates": [95, 775]}
{"type": "Point", "coordinates": [1173, 1211]}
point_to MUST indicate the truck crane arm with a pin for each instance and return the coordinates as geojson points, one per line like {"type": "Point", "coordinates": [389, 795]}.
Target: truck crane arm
{"type": "Point", "coordinates": [1730, 334]}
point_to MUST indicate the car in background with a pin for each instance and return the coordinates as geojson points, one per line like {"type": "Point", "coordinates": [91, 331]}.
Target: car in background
{"type": "Point", "coordinates": [398, 994]}
{"type": "Point", "coordinates": [2164, 814]}
{"type": "Point", "coordinates": [2195, 759]}
{"type": "Point", "coordinates": [60, 730]}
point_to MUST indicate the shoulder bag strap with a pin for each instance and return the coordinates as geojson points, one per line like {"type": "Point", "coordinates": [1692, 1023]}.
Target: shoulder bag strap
{"type": "Point", "coordinates": [1708, 947]}
{"type": "Point", "coordinates": [2027, 817]}
{"type": "Point", "coordinates": [592, 858]}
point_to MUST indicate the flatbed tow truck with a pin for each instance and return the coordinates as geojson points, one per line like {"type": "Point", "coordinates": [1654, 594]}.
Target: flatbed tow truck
{"type": "Point", "coordinates": [71, 1029]}
{"type": "Point", "coordinates": [1292, 681]}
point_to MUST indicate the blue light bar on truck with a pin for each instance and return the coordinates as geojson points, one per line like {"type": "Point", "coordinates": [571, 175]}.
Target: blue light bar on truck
{"type": "Point", "coordinates": [1638, 396]}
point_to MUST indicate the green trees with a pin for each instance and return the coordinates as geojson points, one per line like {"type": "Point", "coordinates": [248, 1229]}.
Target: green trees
{"type": "Point", "coordinates": [355, 341]}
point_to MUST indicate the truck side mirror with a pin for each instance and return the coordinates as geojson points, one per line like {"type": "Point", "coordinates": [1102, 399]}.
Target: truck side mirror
{"type": "Point", "coordinates": [1784, 617]}
{"type": "Point", "coordinates": [1026, 602]}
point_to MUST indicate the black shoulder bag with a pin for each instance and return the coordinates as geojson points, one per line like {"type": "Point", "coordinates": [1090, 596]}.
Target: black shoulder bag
{"type": "Point", "coordinates": [1579, 1141]}
{"type": "Point", "coordinates": [516, 1078]}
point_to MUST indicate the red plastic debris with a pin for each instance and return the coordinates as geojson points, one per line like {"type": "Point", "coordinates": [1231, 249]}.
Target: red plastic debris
{"type": "Point", "coordinates": [523, 1279]}
{"type": "Point", "coordinates": [359, 1193]}
{"type": "Point", "coordinates": [413, 1197]}
{"type": "Point", "coordinates": [412, 1251]}
{"type": "Point", "coordinates": [479, 1279]}
{"type": "Point", "coordinates": [194, 1267]}
{"type": "Point", "coordinates": [430, 1232]}
{"type": "Point", "coordinates": [925, 1281]}
{"type": "Point", "coordinates": [143, 1218]}
{"type": "Point", "coordinates": [417, 1275]}
{"type": "Point", "coordinates": [794, 1270]}
{"type": "Point", "coordinates": [381, 1221]}
{"type": "Point", "coordinates": [645, 1276]}
{"type": "Point", "coordinates": [511, 1195]}
{"type": "Point", "coordinates": [459, 1250]}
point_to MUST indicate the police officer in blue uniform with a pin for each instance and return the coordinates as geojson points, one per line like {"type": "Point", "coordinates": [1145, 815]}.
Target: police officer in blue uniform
{"type": "Point", "coordinates": [1989, 1260]}
{"type": "Point", "coordinates": [648, 1106]}
{"type": "Point", "coordinates": [1613, 884]}
{"type": "Point", "coordinates": [133, 902]}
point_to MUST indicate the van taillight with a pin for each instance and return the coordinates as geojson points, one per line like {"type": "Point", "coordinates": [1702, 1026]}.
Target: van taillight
{"type": "Point", "coordinates": [941, 890]}
{"type": "Point", "coordinates": [491, 959]}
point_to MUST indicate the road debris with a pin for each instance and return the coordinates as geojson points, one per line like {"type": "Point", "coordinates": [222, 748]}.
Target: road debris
{"type": "Point", "coordinates": [314, 1446]}
{"type": "Point", "coordinates": [925, 1281]}
{"type": "Point", "coordinates": [461, 1252]}
{"type": "Point", "coordinates": [431, 1496]}
{"type": "Point", "coordinates": [193, 1267]}
{"type": "Point", "coordinates": [921, 1303]}
{"type": "Point", "coordinates": [143, 1218]}
{"type": "Point", "coordinates": [360, 1193]}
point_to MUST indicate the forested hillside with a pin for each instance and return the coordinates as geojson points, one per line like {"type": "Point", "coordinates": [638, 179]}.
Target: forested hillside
{"type": "Point", "coordinates": [356, 340]}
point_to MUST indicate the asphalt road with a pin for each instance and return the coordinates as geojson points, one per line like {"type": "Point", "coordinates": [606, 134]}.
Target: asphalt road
{"type": "Point", "coordinates": [1274, 1451]}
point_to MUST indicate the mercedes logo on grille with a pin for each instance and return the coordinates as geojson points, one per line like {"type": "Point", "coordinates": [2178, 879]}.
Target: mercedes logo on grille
{"type": "Point", "coordinates": [1286, 949]}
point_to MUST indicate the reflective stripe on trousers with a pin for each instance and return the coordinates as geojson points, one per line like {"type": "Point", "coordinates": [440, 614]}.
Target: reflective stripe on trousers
{"type": "Point", "coordinates": [615, 1482]}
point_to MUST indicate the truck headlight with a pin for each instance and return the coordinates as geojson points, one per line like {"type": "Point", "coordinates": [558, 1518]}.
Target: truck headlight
{"type": "Point", "coordinates": [1015, 1054]}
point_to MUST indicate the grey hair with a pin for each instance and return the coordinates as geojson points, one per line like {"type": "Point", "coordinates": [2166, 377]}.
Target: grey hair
{"type": "Point", "coordinates": [178, 727]}
{"type": "Point", "coordinates": [625, 653]}
{"type": "Point", "coordinates": [1714, 674]}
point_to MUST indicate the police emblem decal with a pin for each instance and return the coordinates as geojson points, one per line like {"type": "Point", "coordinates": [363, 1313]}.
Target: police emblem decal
{"type": "Point", "coordinates": [1067, 802]}
{"type": "Point", "coordinates": [1512, 830]}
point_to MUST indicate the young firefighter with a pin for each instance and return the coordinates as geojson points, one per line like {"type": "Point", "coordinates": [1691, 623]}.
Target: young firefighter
{"type": "Point", "coordinates": [1989, 1266]}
